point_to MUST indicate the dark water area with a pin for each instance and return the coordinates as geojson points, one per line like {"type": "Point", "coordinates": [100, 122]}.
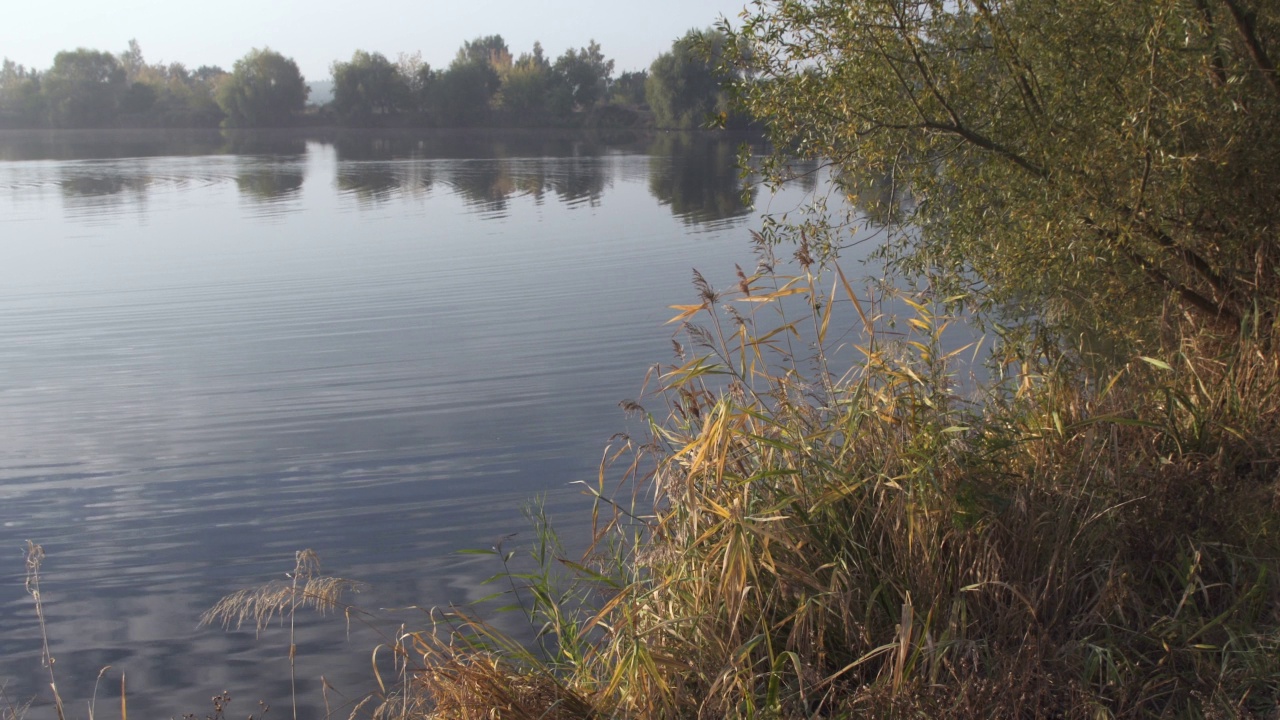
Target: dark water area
{"type": "Point", "coordinates": [216, 350]}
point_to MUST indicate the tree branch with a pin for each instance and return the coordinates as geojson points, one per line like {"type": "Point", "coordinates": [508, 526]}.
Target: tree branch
{"type": "Point", "coordinates": [1217, 66]}
{"type": "Point", "coordinates": [987, 144]}
{"type": "Point", "coordinates": [1190, 297]}
{"type": "Point", "coordinates": [956, 126]}
{"type": "Point", "coordinates": [1248, 33]}
{"type": "Point", "coordinates": [1188, 256]}
{"type": "Point", "coordinates": [1216, 310]}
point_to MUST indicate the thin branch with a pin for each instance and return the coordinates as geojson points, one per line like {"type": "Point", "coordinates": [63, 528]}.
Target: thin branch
{"type": "Point", "coordinates": [1217, 66]}
{"type": "Point", "coordinates": [1025, 75]}
{"type": "Point", "coordinates": [1189, 296]}
{"type": "Point", "coordinates": [986, 143]}
{"type": "Point", "coordinates": [1196, 300]}
{"type": "Point", "coordinates": [1248, 33]}
{"type": "Point", "coordinates": [957, 126]}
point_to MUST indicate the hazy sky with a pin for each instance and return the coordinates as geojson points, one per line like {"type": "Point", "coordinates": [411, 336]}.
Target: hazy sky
{"type": "Point", "coordinates": [317, 32]}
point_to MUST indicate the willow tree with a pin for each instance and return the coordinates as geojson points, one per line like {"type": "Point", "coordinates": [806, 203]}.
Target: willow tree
{"type": "Point", "coordinates": [1092, 165]}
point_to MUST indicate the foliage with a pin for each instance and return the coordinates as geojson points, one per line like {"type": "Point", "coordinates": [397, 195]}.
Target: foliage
{"type": "Point", "coordinates": [628, 89]}
{"type": "Point", "coordinates": [586, 72]}
{"type": "Point", "coordinates": [167, 95]}
{"type": "Point", "coordinates": [93, 89]}
{"type": "Point", "coordinates": [139, 98]}
{"type": "Point", "coordinates": [1072, 163]}
{"type": "Point", "coordinates": [83, 89]}
{"type": "Point", "coordinates": [488, 49]}
{"type": "Point", "coordinates": [187, 98]}
{"type": "Point", "coordinates": [21, 104]}
{"type": "Point", "coordinates": [368, 87]}
{"type": "Point", "coordinates": [265, 89]}
{"type": "Point", "coordinates": [422, 81]}
{"type": "Point", "coordinates": [482, 85]}
{"type": "Point", "coordinates": [133, 62]}
{"type": "Point", "coordinates": [463, 93]}
{"type": "Point", "coordinates": [528, 85]}
{"type": "Point", "coordinates": [685, 87]}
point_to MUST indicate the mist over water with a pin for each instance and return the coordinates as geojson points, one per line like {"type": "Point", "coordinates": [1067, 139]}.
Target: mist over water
{"type": "Point", "coordinates": [218, 350]}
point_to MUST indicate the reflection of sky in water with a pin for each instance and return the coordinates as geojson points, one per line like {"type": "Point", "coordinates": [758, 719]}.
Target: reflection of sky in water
{"type": "Point", "coordinates": [210, 362]}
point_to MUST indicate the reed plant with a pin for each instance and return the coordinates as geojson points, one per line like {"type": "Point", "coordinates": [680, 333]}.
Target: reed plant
{"type": "Point", "coordinates": [10, 710]}
{"type": "Point", "coordinates": [823, 523]}
{"type": "Point", "coordinates": [280, 600]}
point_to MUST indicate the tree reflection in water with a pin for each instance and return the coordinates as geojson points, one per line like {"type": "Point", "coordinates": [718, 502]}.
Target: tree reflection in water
{"type": "Point", "coordinates": [697, 177]}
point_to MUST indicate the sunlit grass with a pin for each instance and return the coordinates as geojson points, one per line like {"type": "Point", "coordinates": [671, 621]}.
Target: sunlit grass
{"type": "Point", "coordinates": [821, 535]}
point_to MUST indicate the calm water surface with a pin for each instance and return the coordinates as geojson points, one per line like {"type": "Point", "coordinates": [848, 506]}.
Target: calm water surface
{"type": "Point", "coordinates": [215, 351]}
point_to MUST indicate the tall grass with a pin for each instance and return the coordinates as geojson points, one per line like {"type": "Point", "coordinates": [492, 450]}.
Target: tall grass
{"type": "Point", "coordinates": [10, 710]}
{"type": "Point", "coordinates": [280, 600]}
{"type": "Point", "coordinates": [821, 526]}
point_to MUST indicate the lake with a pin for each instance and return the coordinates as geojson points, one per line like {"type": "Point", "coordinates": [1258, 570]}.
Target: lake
{"type": "Point", "coordinates": [216, 350]}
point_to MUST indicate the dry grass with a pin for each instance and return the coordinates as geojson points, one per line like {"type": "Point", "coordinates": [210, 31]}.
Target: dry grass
{"type": "Point", "coordinates": [35, 558]}
{"type": "Point", "coordinates": [452, 678]}
{"type": "Point", "coordinates": [280, 600]}
{"type": "Point", "coordinates": [827, 542]}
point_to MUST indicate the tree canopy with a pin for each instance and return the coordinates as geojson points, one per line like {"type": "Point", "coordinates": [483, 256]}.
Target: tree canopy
{"type": "Point", "coordinates": [84, 88]}
{"type": "Point", "coordinates": [529, 83]}
{"type": "Point", "coordinates": [685, 86]}
{"type": "Point", "coordinates": [367, 87]}
{"type": "Point", "coordinates": [628, 89]}
{"type": "Point", "coordinates": [265, 89]}
{"type": "Point", "coordinates": [586, 72]}
{"type": "Point", "coordinates": [21, 102]}
{"type": "Point", "coordinates": [483, 85]}
{"type": "Point", "coordinates": [1082, 166]}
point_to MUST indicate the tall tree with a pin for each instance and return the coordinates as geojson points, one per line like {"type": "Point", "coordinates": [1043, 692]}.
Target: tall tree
{"type": "Point", "coordinates": [527, 85]}
{"type": "Point", "coordinates": [490, 49]}
{"type": "Point", "coordinates": [21, 104]}
{"type": "Point", "coordinates": [83, 88]}
{"type": "Point", "coordinates": [368, 88]}
{"type": "Point", "coordinates": [462, 95]}
{"type": "Point", "coordinates": [265, 89]}
{"type": "Point", "coordinates": [587, 73]}
{"type": "Point", "coordinates": [628, 89]}
{"type": "Point", "coordinates": [133, 62]}
{"type": "Point", "coordinates": [1083, 166]}
{"type": "Point", "coordinates": [418, 78]}
{"type": "Point", "coordinates": [685, 87]}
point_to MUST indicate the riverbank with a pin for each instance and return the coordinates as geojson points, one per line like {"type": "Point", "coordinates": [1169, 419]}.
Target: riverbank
{"type": "Point", "coordinates": [880, 543]}
{"type": "Point", "coordinates": [1058, 546]}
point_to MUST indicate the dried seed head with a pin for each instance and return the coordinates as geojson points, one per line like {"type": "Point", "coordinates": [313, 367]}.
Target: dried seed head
{"type": "Point", "coordinates": [705, 291]}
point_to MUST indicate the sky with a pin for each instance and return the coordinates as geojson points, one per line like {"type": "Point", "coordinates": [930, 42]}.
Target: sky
{"type": "Point", "coordinates": [317, 32]}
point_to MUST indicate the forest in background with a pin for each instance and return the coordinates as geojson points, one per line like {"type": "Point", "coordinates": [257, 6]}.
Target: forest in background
{"type": "Point", "coordinates": [485, 85]}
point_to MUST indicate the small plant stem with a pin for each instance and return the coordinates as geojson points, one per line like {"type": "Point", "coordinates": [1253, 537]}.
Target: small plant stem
{"type": "Point", "coordinates": [293, 646]}
{"type": "Point", "coordinates": [35, 555]}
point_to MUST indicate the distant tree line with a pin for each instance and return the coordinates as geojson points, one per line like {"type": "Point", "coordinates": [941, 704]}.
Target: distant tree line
{"type": "Point", "coordinates": [484, 85]}
{"type": "Point", "coordinates": [91, 88]}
